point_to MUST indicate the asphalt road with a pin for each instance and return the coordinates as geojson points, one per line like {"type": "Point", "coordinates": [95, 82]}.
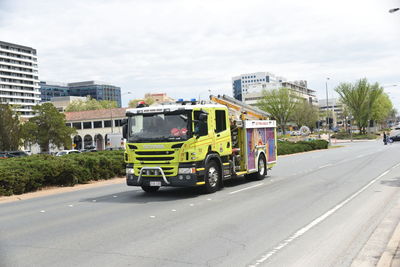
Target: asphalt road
{"type": "Point", "coordinates": [314, 209]}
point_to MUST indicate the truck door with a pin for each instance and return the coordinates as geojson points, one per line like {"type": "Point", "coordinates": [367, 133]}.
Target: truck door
{"type": "Point", "coordinates": [222, 135]}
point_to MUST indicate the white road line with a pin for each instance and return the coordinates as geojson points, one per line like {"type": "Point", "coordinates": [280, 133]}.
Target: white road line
{"type": "Point", "coordinates": [324, 166]}
{"type": "Point", "coordinates": [173, 210]}
{"type": "Point", "coordinates": [246, 188]}
{"type": "Point", "coordinates": [70, 205]}
{"type": "Point", "coordinates": [191, 205]}
{"type": "Point", "coordinates": [42, 211]}
{"type": "Point", "coordinates": [314, 223]}
{"type": "Point", "coordinates": [152, 216]}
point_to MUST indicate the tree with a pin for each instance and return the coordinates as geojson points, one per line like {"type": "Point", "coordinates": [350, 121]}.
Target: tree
{"type": "Point", "coordinates": [360, 98]}
{"type": "Point", "coordinates": [305, 114]}
{"type": "Point", "coordinates": [280, 104]}
{"type": "Point", "coordinates": [10, 130]}
{"type": "Point", "coordinates": [147, 100]}
{"type": "Point", "coordinates": [48, 127]}
{"type": "Point", "coordinates": [383, 109]}
{"type": "Point", "coordinates": [90, 104]}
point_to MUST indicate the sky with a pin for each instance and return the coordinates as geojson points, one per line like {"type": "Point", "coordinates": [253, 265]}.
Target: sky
{"type": "Point", "coordinates": [188, 48]}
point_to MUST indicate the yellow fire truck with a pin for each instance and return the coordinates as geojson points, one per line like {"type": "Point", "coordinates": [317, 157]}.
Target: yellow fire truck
{"type": "Point", "coordinates": [197, 144]}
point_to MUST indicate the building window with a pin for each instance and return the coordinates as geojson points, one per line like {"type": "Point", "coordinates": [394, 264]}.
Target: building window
{"type": "Point", "coordinates": [118, 123]}
{"type": "Point", "coordinates": [77, 125]}
{"type": "Point", "coordinates": [97, 124]}
{"type": "Point", "coordinates": [107, 124]}
{"type": "Point", "coordinates": [87, 125]}
{"type": "Point", "coordinates": [68, 124]}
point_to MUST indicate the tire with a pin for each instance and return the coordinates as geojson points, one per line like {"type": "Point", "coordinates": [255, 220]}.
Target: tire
{"type": "Point", "coordinates": [262, 169]}
{"type": "Point", "coordinates": [212, 177]}
{"type": "Point", "coordinates": [150, 189]}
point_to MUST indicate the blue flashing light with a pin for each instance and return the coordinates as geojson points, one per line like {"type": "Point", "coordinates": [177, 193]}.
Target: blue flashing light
{"type": "Point", "coordinates": [180, 100]}
{"type": "Point", "coordinates": [193, 100]}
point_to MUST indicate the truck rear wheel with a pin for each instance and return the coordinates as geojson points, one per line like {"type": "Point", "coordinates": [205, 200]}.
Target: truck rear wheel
{"type": "Point", "coordinates": [212, 177]}
{"type": "Point", "coordinates": [262, 169]}
{"type": "Point", "coordinates": [150, 189]}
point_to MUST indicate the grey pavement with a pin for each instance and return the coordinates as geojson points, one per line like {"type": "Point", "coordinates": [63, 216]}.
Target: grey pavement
{"type": "Point", "coordinates": [314, 209]}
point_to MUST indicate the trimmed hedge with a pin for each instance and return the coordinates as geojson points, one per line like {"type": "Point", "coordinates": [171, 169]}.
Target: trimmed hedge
{"type": "Point", "coordinates": [286, 147]}
{"type": "Point", "coordinates": [347, 136]}
{"type": "Point", "coordinates": [27, 174]}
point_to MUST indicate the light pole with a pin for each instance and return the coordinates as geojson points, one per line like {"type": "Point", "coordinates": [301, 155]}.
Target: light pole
{"type": "Point", "coordinates": [327, 110]}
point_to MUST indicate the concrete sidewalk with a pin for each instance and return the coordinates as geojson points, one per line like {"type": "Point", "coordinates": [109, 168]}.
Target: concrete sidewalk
{"type": "Point", "coordinates": [391, 255]}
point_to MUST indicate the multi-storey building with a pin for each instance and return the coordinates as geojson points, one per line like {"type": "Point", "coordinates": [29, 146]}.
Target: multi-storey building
{"type": "Point", "coordinates": [249, 87]}
{"type": "Point", "coordinates": [48, 90]}
{"type": "Point", "coordinates": [19, 81]}
{"type": "Point", "coordinates": [95, 89]}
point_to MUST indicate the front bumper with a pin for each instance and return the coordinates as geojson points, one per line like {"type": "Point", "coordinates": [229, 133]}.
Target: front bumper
{"type": "Point", "coordinates": [181, 180]}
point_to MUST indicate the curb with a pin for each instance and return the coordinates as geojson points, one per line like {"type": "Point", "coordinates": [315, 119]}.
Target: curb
{"type": "Point", "coordinates": [389, 257]}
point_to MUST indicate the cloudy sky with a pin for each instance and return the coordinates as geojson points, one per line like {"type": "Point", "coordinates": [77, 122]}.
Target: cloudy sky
{"type": "Point", "coordinates": [187, 47]}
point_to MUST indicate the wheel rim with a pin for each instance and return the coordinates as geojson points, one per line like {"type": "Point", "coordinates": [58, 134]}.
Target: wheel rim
{"type": "Point", "coordinates": [261, 166]}
{"type": "Point", "coordinates": [212, 176]}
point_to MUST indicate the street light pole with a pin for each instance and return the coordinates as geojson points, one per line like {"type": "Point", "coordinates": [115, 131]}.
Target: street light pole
{"type": "Point", "coordinates": [327, 110]}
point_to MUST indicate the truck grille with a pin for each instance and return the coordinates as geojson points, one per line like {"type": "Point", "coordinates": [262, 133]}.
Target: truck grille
{"type": "Point", "coordinates": [154, 158]}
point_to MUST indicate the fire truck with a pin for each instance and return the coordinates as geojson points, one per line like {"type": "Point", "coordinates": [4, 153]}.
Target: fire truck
{"type": "Point", "coordinates": [191, 143]}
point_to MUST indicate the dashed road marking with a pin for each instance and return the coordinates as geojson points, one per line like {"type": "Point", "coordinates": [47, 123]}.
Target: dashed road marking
{"type": "Point", "coordinates": [42, 211]}
{"type": "Point", "coordinates": [315, 222]}
{"type": "Point", "coordinates": [152, 216]}
{"type": "Point", "coordinates": [70, 205]}
{"type": "Point", "coordinates": [173, 210]}
{"type": "Point", "coordinates": [115, 196]}
{"type": "Point", "coordinates": [246, 188]}
{"type": "Point", "coordinates": [191, 205]}
{"type": "Point", "coordinates": [209, 199]}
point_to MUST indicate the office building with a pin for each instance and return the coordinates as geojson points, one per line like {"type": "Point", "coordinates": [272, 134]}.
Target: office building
{"type": "Point", "coordinates": [19, 81]}
{"type": "Point", "coordinates": [248, 87]}
{"type": "Point", "coordinates": [95, 89]}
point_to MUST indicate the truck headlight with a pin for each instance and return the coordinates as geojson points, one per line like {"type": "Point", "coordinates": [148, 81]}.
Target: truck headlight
{"type": "Point", "coordinates": [130, 171]}
{"type": "Point", "coordinates": [186, 170]}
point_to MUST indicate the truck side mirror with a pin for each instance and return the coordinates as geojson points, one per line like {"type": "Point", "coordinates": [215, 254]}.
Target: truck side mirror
{"type": "Point", "coordinates": [125, 130]}
{"type": "Point", "coordinates": [124, 122]}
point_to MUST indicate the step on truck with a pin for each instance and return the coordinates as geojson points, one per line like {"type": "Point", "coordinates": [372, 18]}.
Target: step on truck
{"type": "Point", "coordinates": [197, 144]}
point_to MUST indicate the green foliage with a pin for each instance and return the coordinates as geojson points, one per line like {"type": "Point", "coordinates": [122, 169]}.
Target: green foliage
{"type": "Point", "coordinates": [382, 109]}
{"type": "Point", "coordinates": [47, 127]}
{"type": "Point", "coordinates": [347, 136]}
{"type": "Point", "coordinates": [305, 114]}
{"type": "Point", "coordinates": [26, 174]}
{"type": "Point", "coordinates": [361, 99]}
{"type": "Point", "coordinates": [287, 147]}
{"type": "Point", "coordinates": [10, 130]}
{"type": "Point", "coordinates": [133, 103]}
{"type": "Point", "coordinates": [90, 104]}
{"type": "Point", "coordinates": [280, 104]}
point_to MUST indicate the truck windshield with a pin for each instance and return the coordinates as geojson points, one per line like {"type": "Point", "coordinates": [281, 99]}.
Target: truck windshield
{"type": "Point", "coordinates": [167, 127]}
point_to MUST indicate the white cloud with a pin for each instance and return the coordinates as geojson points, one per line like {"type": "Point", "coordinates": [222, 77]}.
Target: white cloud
{"type": "Point", "coordinates": [186, 47]}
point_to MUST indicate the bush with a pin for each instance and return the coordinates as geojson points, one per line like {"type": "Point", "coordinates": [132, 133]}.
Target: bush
{"type": "Point", "coordinates": [27, 174]}
{"type": "Point", "coordinates": [286, 147]}
{"type": "Point", "coordinates": [347, 136]}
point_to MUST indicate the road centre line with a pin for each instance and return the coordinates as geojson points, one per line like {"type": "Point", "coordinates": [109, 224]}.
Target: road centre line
{"type": "Point", "coordinates": [246, 188]}
{"type": "Point", "coordinates": [316, 221]}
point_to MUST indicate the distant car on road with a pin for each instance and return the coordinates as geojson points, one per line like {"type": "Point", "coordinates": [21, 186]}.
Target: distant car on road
{"type": "Point", "coordinates": [66, 152]}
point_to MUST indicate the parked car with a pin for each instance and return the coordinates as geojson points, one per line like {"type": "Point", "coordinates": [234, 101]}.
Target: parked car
{"type": "Point", "coordinates": [395, 138]}
{"type": "Point", "coordinates": [66, 152]}
{"type": "Point", "coordinates": [3, 155]}
{"type": "Point", "coordinates": [18, 153]}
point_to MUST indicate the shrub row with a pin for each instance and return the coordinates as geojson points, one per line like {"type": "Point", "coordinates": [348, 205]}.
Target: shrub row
{"type": "Point", "coordinates": [348, 136]}
{"type": "Point", "coordinates": [27, 174]}
{"type": "Point", "coordinates": [286, 147]}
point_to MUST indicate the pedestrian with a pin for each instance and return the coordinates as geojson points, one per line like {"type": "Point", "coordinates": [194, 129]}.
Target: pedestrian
{"type": "Point", "coordinates": [385, 138]}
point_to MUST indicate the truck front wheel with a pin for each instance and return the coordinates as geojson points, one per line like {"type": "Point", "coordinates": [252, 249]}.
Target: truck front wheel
{"type": "Point", "coordinates": [150, 189]}
{"type": "Point", "coordinates": [212, 177]}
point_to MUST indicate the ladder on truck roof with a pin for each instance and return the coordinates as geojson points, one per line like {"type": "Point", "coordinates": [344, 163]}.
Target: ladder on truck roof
{"type": "Point", "coordinates": [241, 109]}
